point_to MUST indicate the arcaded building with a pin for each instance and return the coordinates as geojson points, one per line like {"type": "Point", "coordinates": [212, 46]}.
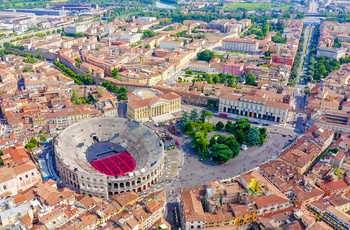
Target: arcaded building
{"type": "Point", "coordinates": [107, 156]}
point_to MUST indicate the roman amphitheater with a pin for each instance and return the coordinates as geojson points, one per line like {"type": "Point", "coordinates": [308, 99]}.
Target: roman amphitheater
{"type": "Point", "coordinates": [106, 156]}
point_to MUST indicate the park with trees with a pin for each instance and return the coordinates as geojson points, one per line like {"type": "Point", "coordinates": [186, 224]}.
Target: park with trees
{"type": "Point", "coordinates": [220, 142]}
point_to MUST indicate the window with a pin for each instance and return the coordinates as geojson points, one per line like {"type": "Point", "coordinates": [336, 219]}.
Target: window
{"type": "Point", "coordinates": [32, 174]}
{"type": "Point", "coordinates": [4, 187]}
{"type": "Point", "coordinates": [20, 178]}
{"type": "Point", "coordinates": [26, 176]}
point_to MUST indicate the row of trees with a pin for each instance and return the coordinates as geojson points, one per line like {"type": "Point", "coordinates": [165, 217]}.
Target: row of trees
{"type": "Point", "coordinates": [78, 78]}
{"type": "Point", "coordinates": [297, 60]}
{"type": "Point", "coordinates": [227, 79]}
{"type": "Point", "coordinates": [121, 92]}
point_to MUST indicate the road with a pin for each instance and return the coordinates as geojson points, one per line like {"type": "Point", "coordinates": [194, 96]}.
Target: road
{"type": "Point", "coordinates": [302, 69]}
{"type": "Point", "coordinates": [313, 7]}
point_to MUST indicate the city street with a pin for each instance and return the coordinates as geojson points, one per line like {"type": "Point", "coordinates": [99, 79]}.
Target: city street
{"type": "Point", "coordinates": [302, 69]}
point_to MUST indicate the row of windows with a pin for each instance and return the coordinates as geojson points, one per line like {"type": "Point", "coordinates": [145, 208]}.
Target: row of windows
{"type": "Point", "coordinates": [26, 176]}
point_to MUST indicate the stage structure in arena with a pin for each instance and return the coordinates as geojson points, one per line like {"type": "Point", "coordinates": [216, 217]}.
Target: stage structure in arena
{"type": "Point", "coordinates": [107, 156]}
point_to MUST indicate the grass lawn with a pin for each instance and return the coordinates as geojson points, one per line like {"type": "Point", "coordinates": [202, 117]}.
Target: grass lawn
{"type": "Point", "coordinates": [253, 6]}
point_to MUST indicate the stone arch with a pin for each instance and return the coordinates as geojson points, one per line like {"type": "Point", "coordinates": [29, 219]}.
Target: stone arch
{"type": "Point", "coordinates": [133, 183]}
{"type": "Point", "coordinates": [127, 184]}
{"type": "Point", "coordinates": [121, 185]}
{"type": "Point", "coordinates": [116, 185]}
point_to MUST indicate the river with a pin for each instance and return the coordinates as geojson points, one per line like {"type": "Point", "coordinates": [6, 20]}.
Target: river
{"type": "Point", "coordinates": [162, 5]}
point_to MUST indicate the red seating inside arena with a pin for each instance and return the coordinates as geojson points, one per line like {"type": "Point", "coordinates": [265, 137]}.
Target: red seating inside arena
{"type": "Point", "coordinates": [116, 165]}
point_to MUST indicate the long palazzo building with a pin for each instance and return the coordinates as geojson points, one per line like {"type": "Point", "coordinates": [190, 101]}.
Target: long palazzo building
{"type": "Point", "coordinates": [262, 105]}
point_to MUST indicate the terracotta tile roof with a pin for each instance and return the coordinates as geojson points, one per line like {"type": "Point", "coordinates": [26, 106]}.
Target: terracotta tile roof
{"type": "Point", "coordinates": [125, 198]}
{"type": "Point", "coordinates": [334, 185]}
{"type": "Point", "coordinates": [269, 200]}
{"type": "Point", "coordinates": [192, 205]}
{"type": "Point", "coordinates": [170, 96]}
{"type": "Point", "coordinates": [89, 219]}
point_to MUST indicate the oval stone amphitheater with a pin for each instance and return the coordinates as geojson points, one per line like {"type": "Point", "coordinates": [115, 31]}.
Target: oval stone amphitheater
{"type": "Point", "coordinates": [106, 156]}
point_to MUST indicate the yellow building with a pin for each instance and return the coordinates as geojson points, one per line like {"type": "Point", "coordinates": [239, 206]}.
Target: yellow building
{"type": "Point", "coordinates": [145, 104]}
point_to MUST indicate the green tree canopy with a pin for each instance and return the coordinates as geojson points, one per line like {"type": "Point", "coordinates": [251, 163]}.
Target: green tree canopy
{"type": "Point", "coordinates": [200, 141]}
{"type": "Point", "coordinates": [219, 126]}
{"type": "Point", "coordinates": [233, 144]}
{"type": "Point", "coordinates": [253, 137]}
{"type": "Point", "coordinates": [228, 126]}
{"type": "Point", "coordinates": [205, 55]}
{"type": "Point", "coordinates": [115, 73]}
{"type": "Point", "coordinates": [250, 79]}
{"type": "Point", "coordinates": [221, 153]}
{"type": "Point", "coordinates": [194, 115]}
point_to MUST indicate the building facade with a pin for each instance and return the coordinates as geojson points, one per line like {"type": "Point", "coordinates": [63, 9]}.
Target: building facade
{"type": "Point", "coordinates": [241, 45]}
{"type": "Point", "coordinates": [261, 105]}
{"type": "Point", "coordinates": [154, 106]}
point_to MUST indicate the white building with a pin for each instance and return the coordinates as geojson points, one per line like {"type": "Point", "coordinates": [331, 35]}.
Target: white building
{"type": "Point", "coordinates": [331, 53]}
{"type": "Point", "coordinates": [242, 45]}
{"type": "Point", "coordinates": [146, 19]}
{"type": "Point", "coordinates": [78, 28]}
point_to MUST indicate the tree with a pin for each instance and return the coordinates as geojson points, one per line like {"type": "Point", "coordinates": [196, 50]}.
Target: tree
{"type": "Point", "coordinates": [75, 99]}
{"type": "Point", "coordinates": [205, 55]}
{"type": "Point", "coordinates": [219, 126]}
{"type": "Point", "coordinates": [337, 43]}
{"type": "Point", "coordinates": [148, 34]}
{"type": "Point", "coordinates": [233, 144]}
{"type": "Point", "coordinates": [185, 117]}
{"type": "Point", "coordinates": [147, 46]}
{"type": "Point", "coordinates": [78, 61]}
{"type": "Point", "coordinates": [200, 141]}
{"type": "Point", "coordinates": [228, 126]}
{"type": "Point", "coordinates": [206, 114]}
{"type": "Point", "coordinates": [221, 153]}
{"type": "Point", "coordinates": [253, 137]}
{"type": "Point", "coordinates": [33, 143]}
{"type": "Point", "coordinates": [194, 115]}
{"type": "Point", "coordinates": [115, 73]}
{"type": "Point", "coordinates": [43, 138]}
{"type": "Point", "coordinates": [26, 69]}
{"type": "Point", "coordinates": [263, 135]}
{"type": "Point", "coordinates": [250, 79]}
{"type": "Point", "coordinates": [306, 90]}
{"type": "Point", "coordinates": [188, 72]}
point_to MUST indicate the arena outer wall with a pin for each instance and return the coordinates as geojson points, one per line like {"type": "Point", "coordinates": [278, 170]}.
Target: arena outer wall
{"type": "Point", "coordinates": [141, 142]}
